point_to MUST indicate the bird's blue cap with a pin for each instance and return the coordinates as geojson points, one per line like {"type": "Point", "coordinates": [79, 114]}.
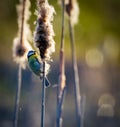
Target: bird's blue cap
{"type": "Point", "coordinates": [30, 53]}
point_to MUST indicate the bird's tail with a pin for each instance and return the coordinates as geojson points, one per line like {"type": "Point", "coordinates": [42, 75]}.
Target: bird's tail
{"type": "Point", "coordinates": [47, 82]}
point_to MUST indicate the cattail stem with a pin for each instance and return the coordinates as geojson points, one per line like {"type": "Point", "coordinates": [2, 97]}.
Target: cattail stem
{"type": "Point", "coordinates": [59, 109]}
{"type": "Point", "coordinates": [76, 76]}
{"type": "Point", "coordinates": [61, 86]}
{"type": "Point", "coordinates": [22, 22]}
{"type": "Point", "coordinates": [83, 103]}
{"type": "Point", "coordinates": [17, 100]}
{"type": "Point", "coordinates": [43, 98]}
{"type": "Point", "coordinates": [62, 31]}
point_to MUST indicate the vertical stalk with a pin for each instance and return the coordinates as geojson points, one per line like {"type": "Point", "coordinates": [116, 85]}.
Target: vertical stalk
{"type": "Point", "coordinates": [43, 98]}
{"type": "Point", "coordinates": [17, 100]}
{"type": "Point", "coordinates": [22, 22]}
{"type": "Point", "coordinates": [63, 17]}
{"type": "Point", "coordinates": [61, 86]}
{"type": "Point", "coordinates": [18, 91]}
{"type": "Point", "coordinates": [83, 103]}
{"type": "Point", "coordinates": [76, 76]}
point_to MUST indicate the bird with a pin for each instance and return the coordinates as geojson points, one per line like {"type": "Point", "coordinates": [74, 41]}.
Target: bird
{"type": "Point", "coordinates": [36, 66]}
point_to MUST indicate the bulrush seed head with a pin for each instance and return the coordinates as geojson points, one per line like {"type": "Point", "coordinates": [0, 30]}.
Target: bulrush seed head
{"type": "Point", "coordinates": [21, 43]}
{"type": "Point", "coordinates": [44, 33]}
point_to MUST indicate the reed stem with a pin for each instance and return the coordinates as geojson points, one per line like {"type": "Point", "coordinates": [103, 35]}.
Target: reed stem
{"type": "Point", "coordinates": [22, 22]}
{"type": "Point", "coordinates": [76, 76]}
{"type": "Point", "coordinates": [61, 86]}
{"type": "Point", "coordinates": [43, 98]}
{"type": "Point", "coordinates": [17, 99]}
{"type": "Point", "coordinates": [83, 103]}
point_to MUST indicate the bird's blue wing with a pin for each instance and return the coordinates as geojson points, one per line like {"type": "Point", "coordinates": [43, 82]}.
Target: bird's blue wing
{"type": "Point", "coordinates": [35, 66]}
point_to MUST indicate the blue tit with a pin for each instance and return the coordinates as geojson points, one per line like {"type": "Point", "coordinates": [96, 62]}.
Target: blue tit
{"type": "Point", "coordinates": [36, 66]}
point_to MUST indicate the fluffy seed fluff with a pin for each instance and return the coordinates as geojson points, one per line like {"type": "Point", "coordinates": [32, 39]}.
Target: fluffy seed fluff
{"type": "Point", "coordinates": [20, 52]}
{"type": "Point", "coordinates": [72, 10]}
{"type": "Point", "coordinates": [43, 35]}
{"type": "Point", "coordinates": [21, 42]}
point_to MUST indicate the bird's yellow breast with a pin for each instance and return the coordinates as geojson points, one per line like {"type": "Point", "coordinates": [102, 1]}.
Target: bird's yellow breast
{"type": "Point", "coordinates": [33, 57]}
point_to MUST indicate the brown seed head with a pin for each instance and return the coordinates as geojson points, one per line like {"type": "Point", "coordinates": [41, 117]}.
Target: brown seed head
{"type": "Point", "coordinates": [44, 33]}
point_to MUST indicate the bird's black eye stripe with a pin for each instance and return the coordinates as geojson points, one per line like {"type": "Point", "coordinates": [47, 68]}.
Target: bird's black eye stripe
{"type": "Point", "coordinates": [30, 53]}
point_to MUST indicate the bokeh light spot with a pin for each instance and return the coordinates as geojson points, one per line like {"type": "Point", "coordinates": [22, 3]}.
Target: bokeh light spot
{"type": "Point", "coordinates": [94, 58]}
{"type": "Point", "coordinates": [106, 105]}
{"type": "Point", "coordinates": [106, 99]}
{"type": "Point", "coordinates": [106, 110]}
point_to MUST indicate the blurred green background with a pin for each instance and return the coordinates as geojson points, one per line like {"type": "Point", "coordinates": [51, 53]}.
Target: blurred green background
{"type": "Point", "coordinates": [97, 37]}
